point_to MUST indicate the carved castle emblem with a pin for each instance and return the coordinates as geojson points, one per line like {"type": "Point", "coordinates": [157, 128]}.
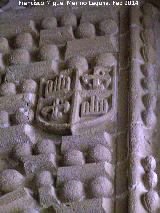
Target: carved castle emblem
{"type": "Point", "coordinates": [71, 102]}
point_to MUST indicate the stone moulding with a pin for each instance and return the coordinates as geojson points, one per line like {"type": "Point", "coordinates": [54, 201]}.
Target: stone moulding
{"type": "Point", "coordinates": [21, 197]}
{"type": "Point", "coordinates": [64, 122]}
{"type": "Point", "coordinates": [142, 104]}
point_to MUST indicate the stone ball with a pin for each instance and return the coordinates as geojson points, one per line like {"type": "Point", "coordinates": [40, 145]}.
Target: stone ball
{"type": "Point", "coordinates": [106, 59]}
{"type": "Point", "coordinates": [80, 63]}
{"type": "Point", "coordinates": [74, 157]}
{"type": "Point", "coordinates": [29, 86]}
{"type": "Point", "coordinates": [7, 89]}
{"type": "Point", "coordinates": [49, 52]}
{"type": "Point", "coordinates": [147, 69]}
{"type": "Point", "coordinates": [4, 119]}
{"type": "Point", "coordinates": [100, 153]}
{"type": "Point", "coordinates": [24, 115]}
{"type": "Point", "coordinates": [4, 46]}
{"type": "Point", "coordinates": [147, 9]}
{"type": "Point", "coordinates": [151, 201]}
{"type": "Point", "coordinates": [149, 118]}
{"type": "Point", "coordinates": [44, 178]}
{"type": "Point", "coordinates": [86, 30]}
{"type": "Point", "coordinates": [69, 19]}
{"type": "Point", "coordinates": [24, 41]}
{"type": "Point", "coordinates": [22, 150]}
{"type": "Point", "coordinates": [73, 190]}
{"type": "Point", "coordinates": [19, 56]}
{"type": "Point", "coordinates": [150, 179]}
{"type": "Point", "coordinates": [30, 210]}
{"type": "Point", "coordinates": [46, 146]}
{"type": "Point", "coordinates": [49, 23]}
{"type": "Point", "coordinates": [101, 187]}
{"type": "Point", "coordinates": [149, 163]}
{"type": "Point", "coordinates": [149, 100]}
{"type": "Point", "coordinates": [108, 26]}
{"type": "Point", "coordinates": [10, 180]}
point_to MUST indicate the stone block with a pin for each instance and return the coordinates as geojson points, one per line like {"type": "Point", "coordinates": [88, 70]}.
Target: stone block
{"type": "Point", "coordinates": [91, 47]}
{"type": "Point", "coordinates": [34, 164]}
{"type": "Point", "coordinates": [58, 36]}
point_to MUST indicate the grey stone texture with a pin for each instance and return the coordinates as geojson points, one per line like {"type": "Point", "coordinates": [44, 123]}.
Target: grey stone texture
{"type": "Point", "coordinates": [79, 109]}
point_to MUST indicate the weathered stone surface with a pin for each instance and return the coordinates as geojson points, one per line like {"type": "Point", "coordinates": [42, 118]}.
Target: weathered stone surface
{"type": "Point", "coordinates": [96, 15]}
{"type": "Point", "coordinates": [14, 102]}
{"type": "Point", "coordinates": [85, 172]}
{"type": "Point", "coordinates": [79, 109]}
{"type": "Point", "coordinates": [9, 30]}
{"type": "Point", "coordinates": [33, 13]}
{"type": "Point", "coordinates": [34, 71]}
{"type": "Point", "coordinates": [33, 164]}
{"type": "Point", "coordinates": [91, 47]}
{"type": "Point", "coordinates": [22, 133]}
{"type": "Point", "coordinates": [58, 36]}
{"type": "Point", "coordinates": [17, 200]}
{"type": "Point", "coordinates": [99, 205]}
{"type": "Point", "coordinates": [47, 196]}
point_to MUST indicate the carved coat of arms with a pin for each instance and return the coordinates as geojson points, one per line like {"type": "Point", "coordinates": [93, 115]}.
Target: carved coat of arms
{"type": "Point", "coordinates": [72, 101]}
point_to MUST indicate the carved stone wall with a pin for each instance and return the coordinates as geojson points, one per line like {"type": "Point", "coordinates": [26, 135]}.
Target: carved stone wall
{"type": "Point", "coordinates": [79, 100]}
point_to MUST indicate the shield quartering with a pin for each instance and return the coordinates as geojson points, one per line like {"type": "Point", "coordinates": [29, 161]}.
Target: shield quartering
{"type": "Point", "coordinates": [73, 101]}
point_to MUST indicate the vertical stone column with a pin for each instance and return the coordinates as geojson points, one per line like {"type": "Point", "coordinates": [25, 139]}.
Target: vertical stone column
{"type": "Point", "coordinates": [142, 104]}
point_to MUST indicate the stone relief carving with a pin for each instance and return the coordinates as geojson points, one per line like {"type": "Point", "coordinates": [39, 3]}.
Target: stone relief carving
{"type": "Point", "coordinates": [151, 198]}
{"type": "Point", "coordinates": [144, 60]}
{"type": "Point", "coordinates": [71, 98]}
{"type": "Point", "coordinates": [77, 86]}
